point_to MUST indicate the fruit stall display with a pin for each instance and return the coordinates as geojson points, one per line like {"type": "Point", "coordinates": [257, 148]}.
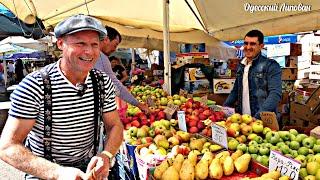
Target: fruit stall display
{"type": "Point", "coordinates": [160, 138]}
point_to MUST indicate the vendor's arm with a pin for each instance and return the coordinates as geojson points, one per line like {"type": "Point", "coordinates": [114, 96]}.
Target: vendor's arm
{"type": "Point", "coordinates": [13, 152]}
{"type": "Point", "coordinates": [104, 65]}
{"type": "Point", "coordinates": [274, 88]}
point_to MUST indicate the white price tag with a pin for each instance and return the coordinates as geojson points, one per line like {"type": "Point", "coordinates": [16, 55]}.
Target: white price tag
{"type": "Point", "coordinates": [286, 166]}
{"type": "Point", "coordinates": [219, 135]}
{"type": "Point", "coordinates": [228, 111]}
{"type": "Point", "coordinates": [182, 121]}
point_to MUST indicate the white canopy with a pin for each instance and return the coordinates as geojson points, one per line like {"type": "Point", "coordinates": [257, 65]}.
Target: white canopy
{"type": "Point", "coordinates": [24, 42]}
{"type": "Point", "coordinates": [225, 20]}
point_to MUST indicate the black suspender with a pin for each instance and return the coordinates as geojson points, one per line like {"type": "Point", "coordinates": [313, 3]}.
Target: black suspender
{"type": "Point", "coordinates": [97, 79]}
{"type": "Point", "coordinates": [47, 124]}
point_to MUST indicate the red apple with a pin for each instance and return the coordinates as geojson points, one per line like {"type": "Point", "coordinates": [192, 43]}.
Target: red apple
{"type": "Point", "coordinates": [213, 118]}
{"type": "Point", "coordinates": [207, 112]}
{"type": "Point", "coordinates": [193, 130]}
{"type": "Point", "coordinates": [200, 125]}
{"type": "Point", "coordinates": [194, 118]}
{"type": "Point", "coordinates": [202, 116]}
{"type": "Point", "coordinates": [128, 126]}
{"type": "Point", "coordinates": [192, 123]}
{"type": "Point", "coordinates": [135, 123]}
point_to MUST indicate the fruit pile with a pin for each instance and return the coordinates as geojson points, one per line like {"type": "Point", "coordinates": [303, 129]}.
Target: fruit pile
{"type": "Point", "coordinates": [209, 166]}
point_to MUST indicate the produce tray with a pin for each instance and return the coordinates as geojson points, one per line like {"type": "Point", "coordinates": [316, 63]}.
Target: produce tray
{"type": "Point", "coordinates": [258, 168]}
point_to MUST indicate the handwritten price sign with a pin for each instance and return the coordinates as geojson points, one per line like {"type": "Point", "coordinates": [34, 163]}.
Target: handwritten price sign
{"type": "Point", "coordinates": [286, 166]}
{"type": "Point", "coordinates": [182, 120]}
{"type": "Point", "coordinates": [219, 135]}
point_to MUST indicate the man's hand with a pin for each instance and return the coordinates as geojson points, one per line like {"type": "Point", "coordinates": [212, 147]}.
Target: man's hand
{"type": "Point", "coordinates": [98, 167]}
{"type": "Point", "coordinates": [144, 107]}
{"type": "Point", "coordinates": [67, 173]}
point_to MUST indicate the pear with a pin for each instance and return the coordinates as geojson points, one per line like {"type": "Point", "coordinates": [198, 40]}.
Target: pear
{"type": "Point", "coordinates": [159, 170]}
{"type": "Point", "coordinates": [170, 174]}
{"type": "Point", "coordinates": [236, 154]}
{"type": "Point", "coordinates": [215, 169]}
{"type": "Point", "coordinates": [193, 156]}
{"type": "Point", "coordinates": [222, 156]}
{"type": "Point", "coordinates": [310, 177]}
{"type": "Point", "coordinates": [187, 170]}
{"type": "Point", "coordinates": [208, 156]}
{"type": "Point", "coordinates": [177, 162]}
{"type": "Point", "coordinates": [228, 166]}
{"type": "Point", "coordinates": [242, 163]}
{"type": "Point", "coordinates": [312, 167]}
{"type": "Point", "coordinates": [273, 174]}
{"type": "Point", "coordinates": [202, 169]}
{"type": "Point", "coordinates": [318, 174]}
{"type": "Point", "coordinates": [284, 178]}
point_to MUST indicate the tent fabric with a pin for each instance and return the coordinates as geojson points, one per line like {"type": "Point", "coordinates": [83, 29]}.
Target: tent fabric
{"type": "Point", "coordinates": [225, 20]}
{"type": "Point", "coordinates": [25, 42]}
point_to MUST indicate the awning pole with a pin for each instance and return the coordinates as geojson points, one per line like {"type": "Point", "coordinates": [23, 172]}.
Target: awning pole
{"type": "Point", "coordinates": [166, 47]}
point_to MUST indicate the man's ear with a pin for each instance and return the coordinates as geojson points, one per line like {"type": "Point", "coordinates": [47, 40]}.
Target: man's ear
{"type": "Point", "coordinates": [261, 45]}
{"type": "Point", "coordinates": [60, 43]}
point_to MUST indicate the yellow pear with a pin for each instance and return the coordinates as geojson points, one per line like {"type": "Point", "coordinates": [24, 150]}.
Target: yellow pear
{"type": "Point", "coordinates": [236, 154]}
{"type": "Point", "coordinates": [242, 163]}
{"type": "Point", "coordinates": [273, 174]}
{"type": "Point", "coordinates": [284, 178]}
{"type": "Point", "coordinates": [207, 156]}
{"type": "Point", "coordinates": [310, 177]}
{"type": "Point", "coordinates": [170, 174]}
{"type": "Point", "coordinates": [228, 166]}
{"type": "Point", "coordinates": [187, 170]}
{"type": "Point", "coordinates": [159, 170]}
{"type": "Point", "coordinates": [177, 162]}
{"type": "Point", "coordinates": [202, 169]}
{"type": "Point", "coordinates": [215, 169]}
{"type": "Point", "coordinates": [193, 156]}
{"type": "Point", "coordinates": [222, 156]}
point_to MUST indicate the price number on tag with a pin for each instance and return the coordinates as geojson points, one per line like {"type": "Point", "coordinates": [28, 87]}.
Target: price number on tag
{"type": "Point", "coordinates": [286, 166]}
{"type": "Point", "coordinates": [219, 135]}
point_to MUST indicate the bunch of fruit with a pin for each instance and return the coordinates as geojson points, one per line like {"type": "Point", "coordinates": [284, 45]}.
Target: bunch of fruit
{"type": "Point", "coordinates": [145, 134]}
{"type": "Point", "coordinates": [209, 166]}
{"type": "Point", "coordinates": [197, 116]}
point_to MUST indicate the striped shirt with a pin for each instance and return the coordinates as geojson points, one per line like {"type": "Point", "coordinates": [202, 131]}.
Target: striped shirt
{"type": "Point", "coordinates": [72, 114]}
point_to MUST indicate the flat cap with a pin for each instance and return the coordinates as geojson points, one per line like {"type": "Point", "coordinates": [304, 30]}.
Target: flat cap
{"type": "Point", "coordinates": [79, 23]}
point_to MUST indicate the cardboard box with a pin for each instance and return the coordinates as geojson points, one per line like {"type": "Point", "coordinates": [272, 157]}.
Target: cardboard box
{"type": "Point", "coordinates": [233, 64]}
{"type": "Point", "coordinates": [223, 86]}
{"type": "Point", "coordinates": [291, 61]}
{"type": "Point", "coordinates": [303, 113]}
{"type": "Point", "coordinates": [314, 101]}
{"type": "Point", "coordinates": [315, 58]}
{"type": "Point", "coordinates": [284, 49]}
{"type": "Point", "coordinates": [289, 74]}
{"type": "Point", "coordinates": [198, 86]}
{"type": "Point", "coordinates": [314, 72]}
{"type": "Point", "coordinates": [315, 132]}
{"type": "Point", "coordinates": [196, 74]}
{"type": "Point", "coordinates": [301, 96]}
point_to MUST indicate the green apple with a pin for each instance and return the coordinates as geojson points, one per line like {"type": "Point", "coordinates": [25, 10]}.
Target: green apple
{"type": "Point", "coordinates": [279, 144]}
{"type": "Point", "coordinates": [310, 157]}
{"type": "Point", "coordinates": [268, 145]}
{"type": "Point", "coordinates": [133, 131]}
{"type": "Point", "coordinates": [232, 144]}
{"type": "Point", "coordinates": [303, 151]}
{"type": "Point", "coordinates": [292, 137]}
{"type": "Point", "coordinates": [294, 132]}
{"type": "Point", "coordinates": [265, 160]}
{"type": "Point", "coordinates": [163, 101]}
{"type": "Point", "coordinates": [300, 137]}
{"type": "Point", "coordinates": [318, 141]}
{"type": "Point", "coordinates": [289, 155]}
{"type": "Point", "coordinates": [294, 153]}
{"type": "Point", "coordinates": [263, 150]}
{"type": "Point", "coordinates": [253, 149]}
{"type": "Point", "coordinates": [308, 142]}
{"type": "Point", "coordinates": [246, 118]}
{"type": "Point", "coordinates": [316, 148]}
{"type": "Point", "coordinates": [254, 156]}
{"type": "Point", "coordinates": [257, 127]}
{"type": "Point", "coordinates": [266, 130]}
{"type": "Point", "coordinates": [295, 145]}
{"type": "Point", "coordinates": [274, 148]}
{"type": "Point", "coordinates": [285, 149]}
{"type": "Point", "coordinates": [316, 158]}
{"type": "Point", "coordinates": [302, 159]}
{"type": "Point", "coordinates": [318, 174]}
{"type": "Point", "coordinates": [303, 172]}
{"type": "Point", "coordinates": [236, 118]}
{"type": "Point", "coordinates": [273, 137]}
{"type": "Point", "coordinates": [285, 135]}
{"type": "Point", "coordinates": [242, 147]}
{"type": "Point", "coordinates": [258, 139]}
{"type": "Point", "coordinates": [251, 136]}
{"type": "Point", "coordinates": [253, 143]}
{"type": "Point", "coordinates": [259, 158]}
{"type": "Point", "coordinates": [312, 168]}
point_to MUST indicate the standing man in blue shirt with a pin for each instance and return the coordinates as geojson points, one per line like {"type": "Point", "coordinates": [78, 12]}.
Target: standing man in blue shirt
{"type": "Point", "coordinates": [109, 45]}
{"type": "Point", "coordinates": [258, 80]}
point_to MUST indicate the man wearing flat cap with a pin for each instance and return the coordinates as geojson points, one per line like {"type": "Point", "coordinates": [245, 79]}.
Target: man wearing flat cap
{"type": "Point", "coordinates": [58, 111]}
